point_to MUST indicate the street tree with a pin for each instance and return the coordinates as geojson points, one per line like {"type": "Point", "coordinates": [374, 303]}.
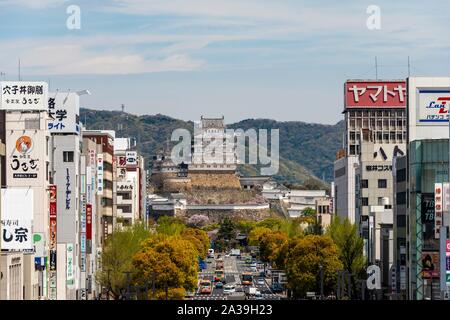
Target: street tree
{"type": "Point", "coordinates": [304, 257]}
{"type": "Point", "coordinates": [173, 262]}
{"type": "Point", "coordinates": [350, 246]}
{"type": "Point", "coordinates": [117, 257]}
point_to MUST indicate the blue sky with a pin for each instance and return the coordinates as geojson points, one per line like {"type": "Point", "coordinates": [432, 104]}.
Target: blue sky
{"type": "Point", "coordinates": [280, 59]}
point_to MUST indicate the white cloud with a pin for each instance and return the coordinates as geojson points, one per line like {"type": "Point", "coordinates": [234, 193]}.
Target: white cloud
{"type": "Point", "coordinates": [62, 57]}
{"type": "Point", "coordinates": [33, 4]}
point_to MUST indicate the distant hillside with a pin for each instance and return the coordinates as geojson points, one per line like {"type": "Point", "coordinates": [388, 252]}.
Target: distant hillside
{"type": "Point", "coordinates": [306, 150]}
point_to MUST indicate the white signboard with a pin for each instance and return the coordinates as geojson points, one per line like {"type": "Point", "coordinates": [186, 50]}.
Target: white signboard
{"type": "Point", "coordinates": [16, 218]}
{"type": "Point", "coordinates": [433, 106]}
{"type": "Point", "coordinates": [69, 265]}
{"type": "Point", "coordinates": [64, 110]}
{"type": "Point", "coordinates": [99, 174]}
{"type": "Point", "coordinates": [23, 95]}
{"type": "Point", "coordinates": [131, 157]}
{"type": "Point", "coordinates": [25, 162]}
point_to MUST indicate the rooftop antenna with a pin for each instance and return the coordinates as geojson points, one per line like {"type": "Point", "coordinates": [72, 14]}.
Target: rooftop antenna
{"type": "Point", "coordinates": [409, 68]}
{"type": "Point", "coordinates": [376, 68]}
{"type": "Point", "coordinates": [122, 107]}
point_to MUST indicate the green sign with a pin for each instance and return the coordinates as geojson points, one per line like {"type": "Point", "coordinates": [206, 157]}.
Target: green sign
{"type": "Point", "coordinates": [447, 277]}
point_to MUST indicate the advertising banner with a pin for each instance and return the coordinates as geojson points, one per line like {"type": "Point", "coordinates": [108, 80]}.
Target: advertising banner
{"type": "Point", "coordinates": [432, 106]}
{"type": "Point", "coordinates": [70, 279]}
{"type": "Point", "coordinates": [100, 174]}
{"type": "Point", "coordinates": [23, 156]}
{"type": "Point", "coordinates": [52, 244]}
{"type": "Point", "coordinates": [16, 218]}
{"type": "Point", "coordinates": [23, 95]}
{"type": "Point", "coordinates": [64, 110]}
{"type": "Point", "coordinates": [89, 221]}
{"type": "Point", "coordinates": [438, 209]}
{"type": "Point", "coordinates": [131, 158]}
{"type": "Point", "coordinates": [430, 264]}
{"type": "Point", "coordinates": [372, 94]}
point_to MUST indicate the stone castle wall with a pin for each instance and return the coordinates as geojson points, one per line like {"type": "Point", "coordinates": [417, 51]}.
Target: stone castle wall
{"type": "Point", "coordinates": [219, 180]}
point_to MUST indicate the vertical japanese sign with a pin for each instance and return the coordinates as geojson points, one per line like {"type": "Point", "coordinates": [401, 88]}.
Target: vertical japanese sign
{"type": "Point", "coordinates": [52, 244]}
{"type": "Point", "coordinates": [83, 233]}
{"type": "Point", "coordinates": [17, 217]}
{"type": "Point", "coordinates": [68, 189]}
{"type": "Point", "coordinates": [447, 262]}
{"type": "Point", "coordinates": [63, 111]}
{"type": "Point", "coordinates": [70, 279]}
{"type": "Point", "coordinates": [89, 221]}
{"type": "Point", "coordinates": [23, 95]}
{"type": "Point", "coordinates": [438, 210]}
{"type": "Point", "coordinates": [100, 174]}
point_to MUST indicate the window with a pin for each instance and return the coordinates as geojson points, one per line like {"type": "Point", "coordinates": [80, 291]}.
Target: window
{"type": "Point", "coordinates": [364, 183]}
{"type": "Point", "coordinates": [382, 183]}
{"type": "Point", "coordinates": [401, 221]}
{"type": "Point", "coordinates": [365, 201]}
{"type": "Point", "coordinates": [392, 136]}
{"type": "Point", "coordinates": [401, 175]}
{"type": "Point", "coordinates": [401, 198]}
{"type": "Point", "coordinates": [68, 156]}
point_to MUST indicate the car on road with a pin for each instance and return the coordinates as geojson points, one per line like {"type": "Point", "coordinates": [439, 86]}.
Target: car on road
{"type": "Point", "coordinates": [260, 281]}
{"type": "Point", "coordinates": [248, 260]}
{"type": "Point", "coordinates": [239, 289]}
{"type": "Point", "coordinates": [253, 269]}
{"type": "Point", "coordinates": [229, 289]}
{"type": "Point", "coordinates": [189, 295]}
{"type": "Point", "coordinates": [276, 287]}
{"type": "Point", "coordinates": [219, 285]}
{"type": "Point", "coordinates": [253, 264]}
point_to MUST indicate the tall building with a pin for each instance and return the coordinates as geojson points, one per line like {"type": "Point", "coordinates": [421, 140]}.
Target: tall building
{"type": "Point", "coordinates": [130, 183]}
{"type": "Point", "coordinates": [427, 164]}
{"type": "Point", "coordinates": [63, 110]}
{"type": "Point", "coordinates": [375, 133]}
{"type": "Point", "coordinates": [25, 184]}
{"type": "Point", "coordinates": [88, 190]}
{"type": "Point", "coordinates": [106, 203]}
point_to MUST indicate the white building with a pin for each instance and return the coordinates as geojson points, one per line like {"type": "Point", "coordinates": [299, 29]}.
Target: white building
{"type": "Point", "coordinates": [27, 168]}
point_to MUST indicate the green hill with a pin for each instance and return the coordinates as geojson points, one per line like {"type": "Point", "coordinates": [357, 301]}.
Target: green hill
{"type": "Point", "coordinates": [307, 150]}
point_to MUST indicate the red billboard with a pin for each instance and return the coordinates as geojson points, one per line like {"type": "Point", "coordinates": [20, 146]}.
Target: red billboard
{"type": "Point", "coordinates": [375, 94]}
{"type": "Point", "coordinates": [89, 221]}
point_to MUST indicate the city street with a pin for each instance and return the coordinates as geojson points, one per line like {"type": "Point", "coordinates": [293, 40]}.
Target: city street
{"type": "Point", "coordinates": [233, 270]}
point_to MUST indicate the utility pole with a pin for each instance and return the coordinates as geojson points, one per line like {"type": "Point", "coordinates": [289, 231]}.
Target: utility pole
{"type": "Point", "coordinates": [321, 281]}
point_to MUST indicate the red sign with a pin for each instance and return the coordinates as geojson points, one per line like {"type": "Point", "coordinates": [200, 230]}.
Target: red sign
{"type": "Point", "coordinates": [447, 246]}
{"type": "Point", "coordinates": [375, 94]}
{"type": "Point", "coordinates": [89, 221]}
{"type": "Point", "coordinates": [52, 245]}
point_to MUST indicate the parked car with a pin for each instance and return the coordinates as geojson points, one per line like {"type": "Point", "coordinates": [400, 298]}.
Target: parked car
{"type": "Point", "coordinates": [260, 281]}
{"type": "Point", "coordinates": [219, 285]}
{"type": "Point", "coordinates": [253, 269]}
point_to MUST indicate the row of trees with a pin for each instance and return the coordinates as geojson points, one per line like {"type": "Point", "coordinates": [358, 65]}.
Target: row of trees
{"type": "Point", "coordinates": [164, 258]}
{"type": "Point", "coordinates": [302, 252]}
